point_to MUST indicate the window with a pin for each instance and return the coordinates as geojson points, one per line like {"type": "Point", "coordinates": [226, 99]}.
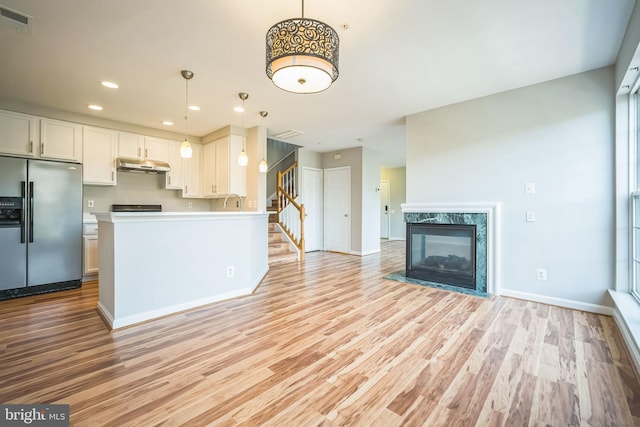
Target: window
{"type": "Point", "coordinates": [634, 174]}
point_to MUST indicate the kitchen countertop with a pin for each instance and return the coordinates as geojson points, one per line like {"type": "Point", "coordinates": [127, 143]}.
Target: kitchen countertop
{"type": "Point", "coordinates": [89, 218]}
{"type": "Point", "coordinates": [171, 216]}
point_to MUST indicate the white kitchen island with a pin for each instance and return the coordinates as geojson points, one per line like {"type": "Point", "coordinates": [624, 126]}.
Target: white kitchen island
{"type": "Point", "coordinates": [155, 264]}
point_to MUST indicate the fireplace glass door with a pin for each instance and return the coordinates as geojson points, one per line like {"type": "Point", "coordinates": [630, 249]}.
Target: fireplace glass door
{"type": "Point", "coordinates": [442, 253]}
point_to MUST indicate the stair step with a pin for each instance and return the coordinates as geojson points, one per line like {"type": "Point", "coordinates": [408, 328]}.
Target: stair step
{"type": "Point", "coordinates": [284, 258]}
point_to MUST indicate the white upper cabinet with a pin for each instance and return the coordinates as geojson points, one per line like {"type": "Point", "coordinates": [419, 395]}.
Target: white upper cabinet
{"type": "Point", "coordinates": [60, 140]}
{"type": "Point", "coordinates": [130, 145]}
{"type": "Point", "coordinates": [222, 173]}
{"type": "Point", "coordinates": [192, 173]}
{"type": "Point", "coordinates": [209, 184]}
{"type": "Point", "coordinates": [156, 149]}
{"type": "Point", "coordinates": [175, 178]}
{"type": "Point", "coordinates": [18, 134]}
{"type": "Point", "coordinates": [99, 156]}
{"type": "Point", "coordinates": [133, 146]}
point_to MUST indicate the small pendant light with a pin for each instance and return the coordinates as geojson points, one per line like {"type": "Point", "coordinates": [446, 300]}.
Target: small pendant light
{"type": "Point", "coordinates": [185, 149]}
{"type": "Point", "coordinates": [262, 166]}
{"type": "Point", "coordinates": [243, 160]}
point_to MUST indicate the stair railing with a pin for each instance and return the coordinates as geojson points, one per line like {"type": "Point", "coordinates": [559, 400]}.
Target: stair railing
{"type": "Point", "coordinates": [290, 214]}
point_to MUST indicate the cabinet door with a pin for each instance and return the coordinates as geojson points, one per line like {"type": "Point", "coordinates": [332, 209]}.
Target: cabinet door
{"type": "Point", "coordinates": [17, 134]}
{"type": "Point", "coordinates": [192, 173]}
{"type": "Point", "coordinates": [99, 156]}
{"type": "Point", "coordinates": [156, 149]}
{"type": "Point", "coordinates": [209, 170]}
{"type": "Point", "coordinates": [175, 178]}
{"type": "Point", "coordinates": [222, 166]}
{"type": "Point", "coordinates": [90, 255]}
{"type": "Point", "coordinates": [130, 145]}
{"type": "Point", "coordinates": [235, 174]}
{"type": "Point", "coordinates": [60, 140]}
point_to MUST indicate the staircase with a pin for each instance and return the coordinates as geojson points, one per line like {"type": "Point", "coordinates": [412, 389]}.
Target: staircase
{"type": "Point", "coordinates": [279, 252]}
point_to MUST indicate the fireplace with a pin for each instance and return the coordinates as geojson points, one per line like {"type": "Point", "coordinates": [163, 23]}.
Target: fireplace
{"type": "Point", "coordinates": [442, 253]}
{"type": "Point", "coordinates": [478, 224]}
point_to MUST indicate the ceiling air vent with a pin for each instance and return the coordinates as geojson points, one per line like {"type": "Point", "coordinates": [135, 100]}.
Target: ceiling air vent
{"type": "Point", "coordinates": [288, 134]}
{"type": "Point", "coordinates": [16, 19]}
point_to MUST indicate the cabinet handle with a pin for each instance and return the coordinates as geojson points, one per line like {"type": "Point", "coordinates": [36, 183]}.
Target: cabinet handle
{"type": "Point", "coordinates": [139, 152]}
{"type": "Point", "coordinates": [42, 148]}
{"type": "Point", "coordinates": [111, 175]}
{"type": "Point", "coordinates": [31, 146]}
{"type": "Point", "coordinates": [212, 190]}
{"type": "Point", "coordinates": [169, 179]}
{"type": "Point", "coordinates": [186, 189]}
{"type": "Point", "coordinates": [145, 153]}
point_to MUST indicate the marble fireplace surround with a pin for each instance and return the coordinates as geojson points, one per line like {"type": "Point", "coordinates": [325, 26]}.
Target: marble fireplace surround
{"type": "Point", "coordinates": [474, 213]}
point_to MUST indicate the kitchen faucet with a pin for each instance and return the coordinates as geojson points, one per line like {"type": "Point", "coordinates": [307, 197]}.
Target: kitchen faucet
{"type": "Point", "coordinates": [227, 198]}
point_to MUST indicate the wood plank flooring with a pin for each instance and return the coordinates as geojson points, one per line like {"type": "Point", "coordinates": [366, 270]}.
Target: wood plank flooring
{"type": "Point", "coordinates": [325, 343]}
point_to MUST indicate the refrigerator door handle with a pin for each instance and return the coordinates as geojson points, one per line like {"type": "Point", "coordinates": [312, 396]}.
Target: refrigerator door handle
{"type": "Point", "coordinates": [23, 197]}
{"type": "Point", "coordinates": [31, 212]}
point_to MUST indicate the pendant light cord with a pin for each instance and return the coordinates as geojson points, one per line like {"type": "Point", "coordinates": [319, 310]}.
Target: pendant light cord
{"type": "Point", "coordinates": [302, 8]}
{"type": "Point", "coordinates": [186, 111]}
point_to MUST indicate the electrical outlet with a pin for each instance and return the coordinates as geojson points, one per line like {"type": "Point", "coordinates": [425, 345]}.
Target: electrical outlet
{"type": "Point", "coordinates": [89, 203]}
{"type": "Point", "coordinates": [530, 188]}
{"type": "Point", "coordinates": [190, 204]}
{"type": "Point", "coordinates": [231, 271]}
{"type": "Point", "coordinates": [541, 274]}
{"type": "Point", "coordinates": [531, 216]}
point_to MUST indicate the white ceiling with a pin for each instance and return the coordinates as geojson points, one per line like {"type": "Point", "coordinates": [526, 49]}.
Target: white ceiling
{"type": "Point", "coordinates": [397, 57]}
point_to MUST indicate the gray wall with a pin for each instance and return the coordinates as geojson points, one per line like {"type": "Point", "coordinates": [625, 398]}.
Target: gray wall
{"type": "Point", "coordinates": [398, 189]}
{"type": "Point", "coordinates": [365, 200]}
{"type": "Point", "coordinates": [139, 188]}
{"type": "Point", "coordinates": [558, 134]}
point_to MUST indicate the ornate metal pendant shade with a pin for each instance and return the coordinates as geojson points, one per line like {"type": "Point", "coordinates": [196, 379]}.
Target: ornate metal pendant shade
{"type": "Point", "coordinates": [302, 55]}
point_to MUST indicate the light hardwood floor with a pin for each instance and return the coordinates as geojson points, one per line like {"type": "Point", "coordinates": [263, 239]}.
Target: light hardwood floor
{"type": "Point", "coordinates": [326, 343]}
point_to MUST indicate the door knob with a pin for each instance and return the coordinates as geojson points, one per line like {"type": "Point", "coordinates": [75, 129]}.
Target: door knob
{"type": "Point", "coordinates": [345, 215]}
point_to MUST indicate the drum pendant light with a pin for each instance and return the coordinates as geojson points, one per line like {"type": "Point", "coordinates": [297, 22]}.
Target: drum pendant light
{"type": "Point", "coordinates": [302, 55]}
{"type": "Point", "coordinates": [185, 149]}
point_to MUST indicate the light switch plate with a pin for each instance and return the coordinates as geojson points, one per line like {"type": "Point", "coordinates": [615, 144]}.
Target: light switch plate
{"type": "Point", "coordinates": [530, 188]}
{"type": "Point", "coordinates": [531, 216]}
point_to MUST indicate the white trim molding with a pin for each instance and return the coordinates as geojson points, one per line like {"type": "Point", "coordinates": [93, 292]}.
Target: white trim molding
{"type": "Point", "coordinates": [492, 210]}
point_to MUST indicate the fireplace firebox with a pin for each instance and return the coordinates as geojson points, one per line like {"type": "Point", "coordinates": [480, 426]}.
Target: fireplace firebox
{"type": "Point", "coordinates": [442, 253]}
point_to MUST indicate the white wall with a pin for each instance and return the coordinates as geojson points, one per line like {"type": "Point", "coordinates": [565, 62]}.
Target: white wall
{"type": "Point", "coordinates": [370, 201]}
{"type": "Point", "coordinates": [557, 134]}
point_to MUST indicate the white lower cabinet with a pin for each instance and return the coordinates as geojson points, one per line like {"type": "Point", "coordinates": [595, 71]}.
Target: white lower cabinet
{"type": "Point", "coordinates": [90, 254]}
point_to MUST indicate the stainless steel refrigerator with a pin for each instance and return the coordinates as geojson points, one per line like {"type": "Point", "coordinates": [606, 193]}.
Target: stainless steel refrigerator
{"type": "Point", "coordinates": [40, 226]}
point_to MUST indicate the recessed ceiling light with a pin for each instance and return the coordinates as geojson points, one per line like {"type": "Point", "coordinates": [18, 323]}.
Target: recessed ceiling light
{"type": "Point", "coordinates": [94, 107]}
{"type": "Point", "coordinates": [238, 109]}
{"type": "Point", "coordinates": [194, 108]}
{"type": "Point", "coordinates": [167, 123]}
{"type": "Point", "coordinates": [110, 85]}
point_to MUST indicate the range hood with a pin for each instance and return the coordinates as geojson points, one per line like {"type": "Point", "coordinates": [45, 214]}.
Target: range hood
{"type": "Point", "coordinates": [138, 165]}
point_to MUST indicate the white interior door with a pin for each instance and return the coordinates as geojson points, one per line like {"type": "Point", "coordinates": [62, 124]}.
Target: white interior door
{"type": "Point", "coordinates": [337, 209]}
{"type": "Point", "coordinates": [312, 199]}
{"type": "Point", "coordinates": [385, 209]}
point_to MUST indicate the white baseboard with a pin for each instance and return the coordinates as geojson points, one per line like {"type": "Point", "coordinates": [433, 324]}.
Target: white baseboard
{"type": "Point", "coordinates": [364, 253]}
{"type": "Point", "coordinates": [560, 302]}
{"type": "Point", "coordinates": [122, 322]}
